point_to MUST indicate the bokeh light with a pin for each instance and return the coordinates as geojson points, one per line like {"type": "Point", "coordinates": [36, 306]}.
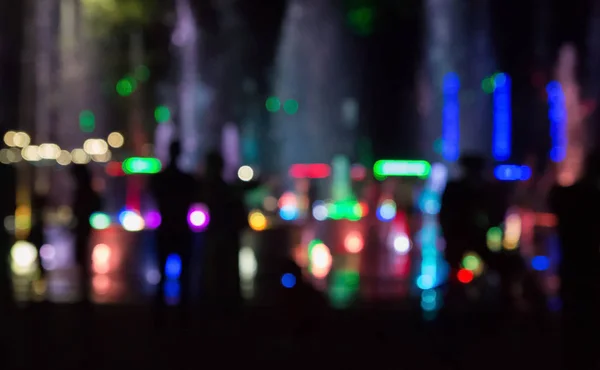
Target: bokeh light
{"type": "Point", "coordinates": [23, 258]}
{"type": "Point", "coordinates": [101, 259]}
{"type": "Point", "coordinates": [99, 221]}
{"type": "Point", "coordinates": [198, 217]}
{"type": "Point", "coordinates": [131, 221]}
{"type": "Point", "coordinates": [245, 173]}
{"type": "Point", "coordinates": [115, 139]}
{"type": "Point", "coordinates": [257, 221]}
{"type": "Point", "coordinates": [288, 280]}
{"type": "Point", "coordinates": [353, 242]}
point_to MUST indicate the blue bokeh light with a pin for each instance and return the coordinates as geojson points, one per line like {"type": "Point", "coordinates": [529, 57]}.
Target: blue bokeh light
{"type": "Point", "coordinates": [540, 263]}
{"type": "Point", "coordinates": [288, 213]}
{"type": "Point", "coordinates": [173, 266]}
{"type": "Point", "coordinates": [288, 280]}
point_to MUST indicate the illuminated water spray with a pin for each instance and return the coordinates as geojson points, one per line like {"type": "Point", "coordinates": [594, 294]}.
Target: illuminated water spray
{"type": "Point", "coordinates": [230, 149]}
{"type": "Point", "coordinates": [439, 81]}
{"type": "Point", "coordinates": [185, 38]}
{"type": "Point", "coordinates": [312, 119]}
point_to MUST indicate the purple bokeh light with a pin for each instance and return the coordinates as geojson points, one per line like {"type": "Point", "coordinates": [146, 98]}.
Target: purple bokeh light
{"type": "Point", "coordinates": [198, 217]}
{"type": "Point", "coordinates": [152, 219]}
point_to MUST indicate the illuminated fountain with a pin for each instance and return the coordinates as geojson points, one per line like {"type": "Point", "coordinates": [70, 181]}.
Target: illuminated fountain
{"type": "Point", "coordinates": [185, 38]}
{"type": "Point", "coordinates": [310, 101]}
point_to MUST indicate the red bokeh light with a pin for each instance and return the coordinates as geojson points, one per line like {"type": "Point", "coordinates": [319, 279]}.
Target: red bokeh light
{"type": "Point", "coordinates": [114, 169]}
{"type": "Point", "coordinates": [464, 276]}
{"type": "Point", "coordinates": [310, 171]}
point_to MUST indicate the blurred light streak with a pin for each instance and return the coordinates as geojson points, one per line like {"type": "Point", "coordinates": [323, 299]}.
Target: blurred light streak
{"type": "Point", "coordinates": [509, 172]}
{"type": "Point", "coordinates": [557, 113]}
{"type": "Point", "coordinates": [501, 145]}
{"type": "Point", "coordinates": [451, 117]}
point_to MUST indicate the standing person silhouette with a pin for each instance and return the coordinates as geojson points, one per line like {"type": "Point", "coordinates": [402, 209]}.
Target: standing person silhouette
{"type": "Point", "coordinates": [228, 218]}
{"type": "Point", "coordinates": [470, 206]}
{"type": "Point", "coordinates": [174, 192]}
{"type": "Point", "coordinates": [85, 202]}
{"type": "Point", "coordinates": [576, 208]}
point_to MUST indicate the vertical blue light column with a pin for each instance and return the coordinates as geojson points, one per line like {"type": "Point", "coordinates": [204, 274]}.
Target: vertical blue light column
{"type": "Point", "coordinates": [557, 114]}
{"type": "Point", "coordinates": [451, 117]}
{"type": "Point", "coordinates": [501, 145]}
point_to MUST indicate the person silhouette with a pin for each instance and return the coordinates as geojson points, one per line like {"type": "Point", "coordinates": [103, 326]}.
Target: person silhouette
{"type": "Point", "coordinates": [228, 217]}
{"type": "Point", "coordinates": [85, 202]}
{"type": "Point", "coordinates": [174, 193]}
{"type": "Point", "coordinates": [470, 206]}
{"type": "Point", "coordinates": [579, 268]}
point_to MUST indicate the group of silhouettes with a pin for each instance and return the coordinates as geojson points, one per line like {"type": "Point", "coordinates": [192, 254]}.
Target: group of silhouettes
{"type": "Point", "coordinates": [174, 192]}
{"type": "Point", "coordinates": [472, 204]}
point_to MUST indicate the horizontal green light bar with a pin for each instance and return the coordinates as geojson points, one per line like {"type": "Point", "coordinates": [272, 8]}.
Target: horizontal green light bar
{"type": "Point", "coordinates": [140, 165]}
{"type": "Point", "coordinates": [408, 168]}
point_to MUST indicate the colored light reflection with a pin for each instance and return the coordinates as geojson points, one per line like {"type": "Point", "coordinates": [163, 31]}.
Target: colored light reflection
{"type": "Point", "coordinates": [198, 217]}
{"type": "Point", "coordinates": [511, 172]}
{"type": "Point", "coordinates": [310, 171]}
{"type": "Point", "coordinates": [99, 221]}
{"type": "Point", "coordinates": [141, 165]}
{"type": "Point", "coordinates": [406, 168]}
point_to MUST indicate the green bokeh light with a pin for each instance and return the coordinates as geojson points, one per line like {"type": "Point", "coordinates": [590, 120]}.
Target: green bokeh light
{"type": "Point", "coordinates": [99, 221]}
{"type": "Point", "coordinates": [273, 104]}
{"type": "Point", "coordinates": [488, 85]}
{"type": "Point", "coordinates": [162, 114]}
{"type": "Point", "coordinates": [87, 121]}
{"type": "Point", "coordinates": [290, 106]}
{"type": "Point", "coordinates": [141, 165]}
{"type": "Point", "coordinates": [126, 86]}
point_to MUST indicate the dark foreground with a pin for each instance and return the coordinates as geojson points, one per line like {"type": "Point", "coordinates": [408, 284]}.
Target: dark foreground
{"type": "Point", "coordinates": [47, 336]}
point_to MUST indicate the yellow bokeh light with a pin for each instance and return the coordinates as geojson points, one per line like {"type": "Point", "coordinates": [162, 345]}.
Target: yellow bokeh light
{"type": "Point", "coordinates": [31, 153]}
{"type": "Point", "coordinates": [21, 139]}
{"type": "Point", "coordinates": [115, 139]}
{"type": "Point", "coordinates": [102, 158]}
{"type": "Point", "coordinates": [9, 138]}
{"type": "Point", "coordinates": [257, 221]}
{"type": "Point", "coordinates": [64, 158]}
{"type": "Point", "coordinates": [79, 156]}
{"type": "Point", "coordinates": [245, 173]}
{"type": "Point", "coordinates": [49, 151]}
{"type": "Point", "coordinates": [95, 146]}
